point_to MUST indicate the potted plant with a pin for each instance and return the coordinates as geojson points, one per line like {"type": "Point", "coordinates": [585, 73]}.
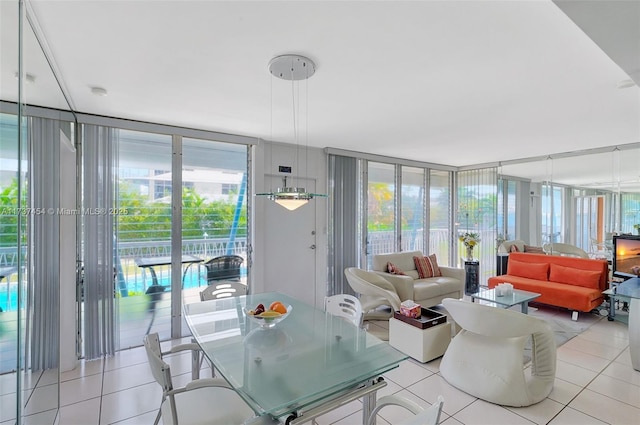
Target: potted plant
{"type": "Point", "coordinates": [637, 227]}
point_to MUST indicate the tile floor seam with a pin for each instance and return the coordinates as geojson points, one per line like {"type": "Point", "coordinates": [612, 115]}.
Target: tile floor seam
{"type": "Point", "coordinates": [101, 394]}
{"type": "Point", "coordinates": [608, 396]}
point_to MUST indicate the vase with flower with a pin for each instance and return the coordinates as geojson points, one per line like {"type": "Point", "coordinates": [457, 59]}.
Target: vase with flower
{"type": "Point", "coordinates": [469, 240]}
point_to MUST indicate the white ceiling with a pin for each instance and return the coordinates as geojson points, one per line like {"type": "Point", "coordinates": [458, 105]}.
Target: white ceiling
{"type": "Point", "coordinates": [450, 82]}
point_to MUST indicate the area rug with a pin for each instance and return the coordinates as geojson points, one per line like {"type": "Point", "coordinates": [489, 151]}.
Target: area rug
{"type": "Point", "coordinates": [560, 321]}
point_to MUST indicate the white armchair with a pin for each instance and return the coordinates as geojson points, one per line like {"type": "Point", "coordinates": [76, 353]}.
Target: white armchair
{"type": "Point", "coordinates": [486, 358]}
{"type": "Point", "coordinates": [375, 291]}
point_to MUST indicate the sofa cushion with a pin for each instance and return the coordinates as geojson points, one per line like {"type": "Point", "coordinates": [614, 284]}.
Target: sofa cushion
{"type": "Point", "coordinates": [402, 260]}
{"type": "Point", "coordinates": [538, 271]}
{"type": "Point", "coordinates": [393, 269]}
{"type": "Point", "coordinates": [427, 266]}
{"type": "Point", "coordinates": [432, 287]}
{"type": "Point", "coordinates": [574, 262]}
{"type": "Point", "coordinates": [573, 276]}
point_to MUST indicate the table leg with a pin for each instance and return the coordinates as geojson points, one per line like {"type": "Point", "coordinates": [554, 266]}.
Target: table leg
{"type": "Point", "coordinates": [634, 333]}
{"type": "Point", "coordinates": [473, 298]}
{"type": "Point", "coordinates": [524, 307]}
{"type": "Point", "coordinates": [368, 404]}
{"type": "Point", "coordinates": [612, 308]}
{"type": "Point", "coordinates": [154, 277]}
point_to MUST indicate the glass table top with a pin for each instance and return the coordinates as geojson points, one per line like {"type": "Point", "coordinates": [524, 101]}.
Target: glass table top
{"type": "Point", "coordinates": [306, 358]}
{"type": "Point", "coordinates": [518, 296]}
{"type": "Point", "coordinates": [630, 288]}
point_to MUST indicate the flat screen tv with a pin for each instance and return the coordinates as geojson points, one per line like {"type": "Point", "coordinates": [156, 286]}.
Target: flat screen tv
{"type": "Point", "coordinates": [626, 256]}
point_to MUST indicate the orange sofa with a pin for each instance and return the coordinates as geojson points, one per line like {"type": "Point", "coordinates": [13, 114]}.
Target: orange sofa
{"type": "Point", "coordinates": [569, 282]}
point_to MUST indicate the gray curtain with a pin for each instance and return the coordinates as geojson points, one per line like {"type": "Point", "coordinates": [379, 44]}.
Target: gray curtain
{"type": "Point", "coordinates": [43, 293]}
{"type": "Point", "coordinates": [98, 168]}
{"type": "Point", "coordinates": [343, 221]}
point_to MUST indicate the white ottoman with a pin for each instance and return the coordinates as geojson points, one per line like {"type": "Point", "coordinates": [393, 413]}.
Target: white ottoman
{"type": "Point", "coordinates": [424, 345]}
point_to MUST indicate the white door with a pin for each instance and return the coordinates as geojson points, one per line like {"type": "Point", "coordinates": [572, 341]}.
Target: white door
{"type": "Point", "coordinates": [290, 257]}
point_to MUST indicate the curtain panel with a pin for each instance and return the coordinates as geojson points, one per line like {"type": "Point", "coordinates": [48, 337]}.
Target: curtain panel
{"type": "Point", "coordinates": [343, 222]}
{"type": "Point", "coordinates": [43, 289]}
{"type": "Point", "coordinates": [98, 168]}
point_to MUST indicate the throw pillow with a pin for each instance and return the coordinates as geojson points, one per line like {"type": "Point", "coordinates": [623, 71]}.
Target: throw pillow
{"type": "Point", "coordinates": [571, 276]}
{"type": "Point", "coordinates": [427, 266]}
{"type": "Point", "coordinates": [393, 269]}
{"type": "Point", "coordinates": [538, 271]}
{"type": "Point", "coordinates": [533, 249]}
{"type": "Point", "coordinates": [514, 248]}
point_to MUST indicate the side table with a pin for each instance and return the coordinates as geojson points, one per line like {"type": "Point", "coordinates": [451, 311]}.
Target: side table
{"type": "Point", "coordinates": [472, 281]}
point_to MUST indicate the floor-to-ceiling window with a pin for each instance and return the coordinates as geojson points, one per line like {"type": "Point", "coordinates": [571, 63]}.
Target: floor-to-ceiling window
{"type": "Point", "coordinates": [553, 214]}
{"type": "Point", "coordinates": [403, 207]}
{"type": "Point", "coordinates": [177, 203]}
{"type": "Point", "coordinates": [476, 215]}
{"type": "Point", "coordinates": [381, 209]}
{"type": "Point", "coordinates": [413, 197]}
{"type": "Point", "coordinates": [440, 206]}
{"type": "Point", "coordinates": [506, 210]}
{"type": "Point", "coordinates": [214, 209]}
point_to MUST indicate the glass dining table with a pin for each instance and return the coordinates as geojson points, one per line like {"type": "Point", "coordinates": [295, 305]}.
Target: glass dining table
{"type": "Point", "coordinates": [302, 367]}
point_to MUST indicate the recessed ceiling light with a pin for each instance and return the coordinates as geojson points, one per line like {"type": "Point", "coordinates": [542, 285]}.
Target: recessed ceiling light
{"type": "Point", "coordinates": [625, 84]}
{"type": "Point", "coordinates": [98, 91]}
{"type": "Point", "coordinates": [29, 78]}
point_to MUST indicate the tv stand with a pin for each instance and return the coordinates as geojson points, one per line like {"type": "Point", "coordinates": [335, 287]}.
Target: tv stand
{"type": "Point", "coordinates": [629, 291]}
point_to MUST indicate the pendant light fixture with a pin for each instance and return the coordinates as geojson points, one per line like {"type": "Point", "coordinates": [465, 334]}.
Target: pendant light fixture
{"type": "Point", "coordinates": [293, 68]}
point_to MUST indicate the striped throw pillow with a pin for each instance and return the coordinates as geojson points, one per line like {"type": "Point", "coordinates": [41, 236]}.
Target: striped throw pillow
{"type": "Point", "coordinates": [427, 266]}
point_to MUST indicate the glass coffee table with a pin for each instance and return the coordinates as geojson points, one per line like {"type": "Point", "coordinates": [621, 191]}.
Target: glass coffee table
{"type": "Point", "coordinates": [506, 301]}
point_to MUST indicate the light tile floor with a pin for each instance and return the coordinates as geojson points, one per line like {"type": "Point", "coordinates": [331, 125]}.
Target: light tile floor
{"type": "Point", "coordinates": [595, 384]}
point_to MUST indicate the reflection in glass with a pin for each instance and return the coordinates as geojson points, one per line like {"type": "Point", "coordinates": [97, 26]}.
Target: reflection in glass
{"type": "Point", "coordinates": [413, 203]}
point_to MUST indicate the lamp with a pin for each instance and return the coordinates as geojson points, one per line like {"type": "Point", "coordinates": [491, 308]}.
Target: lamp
{"type": "Point", "coordinates": [293, 68]}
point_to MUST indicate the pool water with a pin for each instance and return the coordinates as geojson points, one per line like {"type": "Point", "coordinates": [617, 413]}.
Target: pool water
{"type": "Point", "coordinates": [9, 301]}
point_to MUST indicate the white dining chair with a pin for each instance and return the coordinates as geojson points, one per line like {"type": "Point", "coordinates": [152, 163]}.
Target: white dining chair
{"type": "Point", "coordinates": [196, 352]}
{"type": "Point", "coordinates": [421, 416]}
{"type": "Point", "coordinates": [208, 400]}
{"type": "Point", "coordinates": [345, 306]}
{"type": "Point", "coordinates": [223, 289]}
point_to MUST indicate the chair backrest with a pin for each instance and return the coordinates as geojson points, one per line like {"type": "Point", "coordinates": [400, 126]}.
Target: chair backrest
{"type": "Point", "coordinates": [159, 369]}
{"type": "Point", "coordinates": [491, 321]}
{"type": "Point", "coordinates": [224, 267]}
{"type": "Point", "coordinates": [558, 248]}
{"type": "Point", "coordinates": [422, 416]}
{"type": "Point", "coordinates": [345, 306]}
{"type": "Point", "coordinates": [223, 290]}
{"type": "Point", "coordinates": [370, 283]}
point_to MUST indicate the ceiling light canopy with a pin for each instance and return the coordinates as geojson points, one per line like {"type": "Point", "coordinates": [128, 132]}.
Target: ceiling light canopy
{"type": "Point", "coordinates": [292, 68]}
{"type": "Point", "coordinates": [625, 84]}
{"type": "Point", "coordinates": [99, 91]}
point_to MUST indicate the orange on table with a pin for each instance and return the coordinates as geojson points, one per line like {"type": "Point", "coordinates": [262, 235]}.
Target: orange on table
{"type": "Point", "coordinates": [278, 306]}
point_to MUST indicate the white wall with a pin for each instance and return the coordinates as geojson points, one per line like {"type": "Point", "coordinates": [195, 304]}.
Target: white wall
{"type": "Point", "coordinates": [267, 157]}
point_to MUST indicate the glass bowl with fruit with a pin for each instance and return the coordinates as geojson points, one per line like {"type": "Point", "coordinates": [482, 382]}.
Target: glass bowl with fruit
{"type": "Point", "coordinates": [268, 317]}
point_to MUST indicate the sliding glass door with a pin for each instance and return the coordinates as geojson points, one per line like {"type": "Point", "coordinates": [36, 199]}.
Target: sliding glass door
{"type": "Point", "coordinates": [214, 213]}
{"type": "Point", "coordinates": [172, 204]}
